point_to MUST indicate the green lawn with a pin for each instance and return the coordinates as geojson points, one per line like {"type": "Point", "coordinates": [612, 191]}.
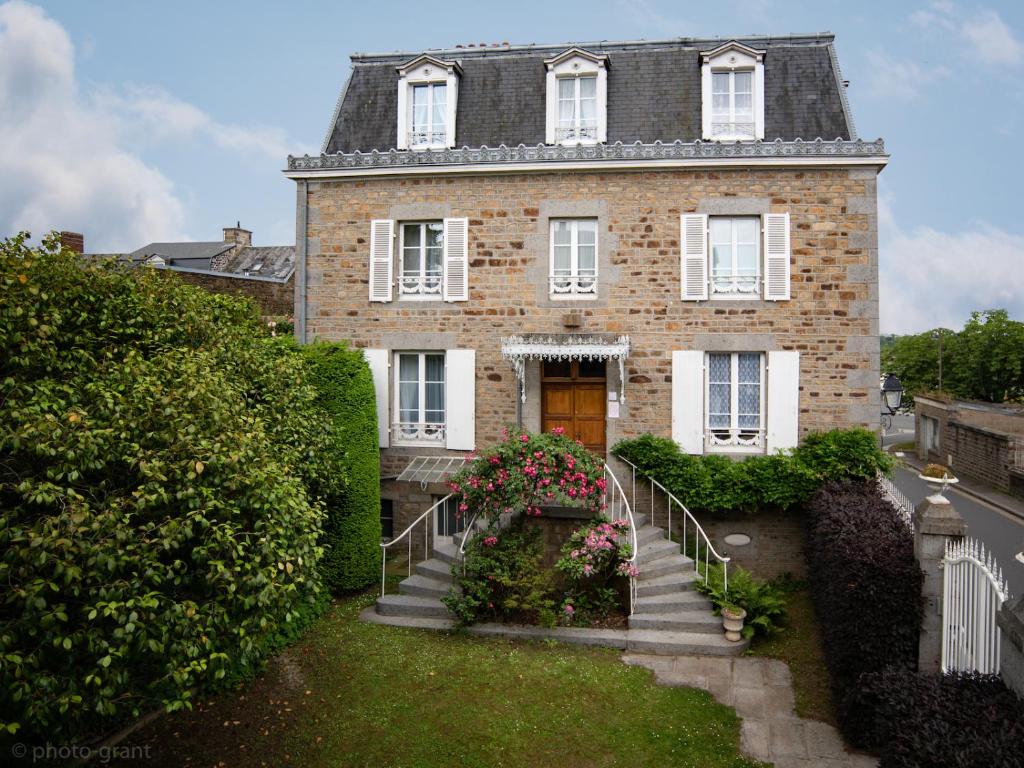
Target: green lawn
{"type": "Point", "coordinates": [355, 694]}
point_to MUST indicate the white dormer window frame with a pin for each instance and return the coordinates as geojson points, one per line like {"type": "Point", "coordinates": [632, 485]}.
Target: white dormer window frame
{"type": "Point", "coordinates": [731, 72]}
{"type": "Point", "coordinates": [431, 79]}
{"type": "Point", "coordinates": [577, 98]}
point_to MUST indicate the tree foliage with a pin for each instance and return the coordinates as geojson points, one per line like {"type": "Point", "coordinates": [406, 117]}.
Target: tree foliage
{"type": "Point", "coordinates": [983, 361]}
{"type": "Point", "coordinates": [163, 471]}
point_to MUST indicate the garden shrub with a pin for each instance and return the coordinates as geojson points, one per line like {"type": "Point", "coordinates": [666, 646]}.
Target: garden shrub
{"type": "Point", "coordinates": [595, 561]}
{"type": "Point", "coordinates": [940, 721]}
{"type": "Point", "coordinates": [717, 483]}
{"type": "Point", "coordinates": [351, 539]}
{"type": "Point", "coordinates": [866, 586]}
{"type": "Point", "coordinates": [764, 601]}
{"type": "Point", "coordinates": [501, 578]}
{"type": "Point", "coordinates": [160, 509]}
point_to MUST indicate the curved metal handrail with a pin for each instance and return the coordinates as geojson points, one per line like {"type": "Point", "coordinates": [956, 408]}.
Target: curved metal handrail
{"type": "Point", "coordinates": [406, 533]}
{"type": "Point", "coordinates": [709, 548]}
{"type": "Point", "coordinates": [611, 499]}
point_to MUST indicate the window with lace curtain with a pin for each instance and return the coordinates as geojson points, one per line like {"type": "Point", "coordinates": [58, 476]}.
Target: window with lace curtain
{"type": "Point", "coordinates": [735, 401]}
{"type": "Point", "coordinates": [420, 398]}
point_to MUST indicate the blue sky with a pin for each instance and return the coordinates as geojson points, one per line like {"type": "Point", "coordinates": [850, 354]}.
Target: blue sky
{"type": "Point", "coordinates": [137, 121]}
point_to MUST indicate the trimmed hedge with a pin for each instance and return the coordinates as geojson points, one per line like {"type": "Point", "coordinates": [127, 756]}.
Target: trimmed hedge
{"type": "Point", "coordinates": [717, 483]}
{"type": "Point", "coordinates": [160, 492]}
{"type": "Point", "coordinates": [352, 530]}
{"type": "Point", "coordinates": [866, 587]}
{"type": "Point", "coordinates": [940, 721]}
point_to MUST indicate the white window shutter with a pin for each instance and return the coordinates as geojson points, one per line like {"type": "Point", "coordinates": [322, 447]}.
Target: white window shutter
{"type": "Point", "coordinates": [783, 395]}
{"type": "Point", "coordinates": [693, 249]}
{"type": "Point", "coordinates": [776, 256]}
{"type": "Point", "coordinates": [460, 399]}
{"type": "Point", "coordinates": [456, 259]}
{"type": "Point", "coordinates": [379, 362]}
{"type": "Point", "coordinates": [688, 400]}
{"type": "Point", "coordinates": [382, 239]}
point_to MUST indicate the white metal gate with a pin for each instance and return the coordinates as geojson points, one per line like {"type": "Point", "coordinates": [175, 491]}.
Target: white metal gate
{"type": "Point", "coordinates": [973, 591]}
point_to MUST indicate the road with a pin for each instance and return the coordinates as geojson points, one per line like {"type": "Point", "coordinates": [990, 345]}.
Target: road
{"type": "Point", "coordinates": [1002, 534]}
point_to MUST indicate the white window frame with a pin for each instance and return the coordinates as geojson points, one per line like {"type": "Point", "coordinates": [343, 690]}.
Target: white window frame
{"type": "Point", "coordinates": [415, 287]}
{"type": "Point", "coordinates": [757, 291]}
{"type": "Point", "coordinates": [931, 439]}
{"type": "Point", "coordinates": [419, 432]}
{"type": "Point", "coordinates": [576, 63]}
{"type": "Point", "coordinates": [731, 127]}
{"type": "Point", "coordinates": [732, 57]}
{"type": "Point", "coordinates": [427, 70]}
{"type": "Point", "coordinates": [428, 136]}
{"type": "Point", "coordinates": [572, 287]}
{"type": "Point", "coordinates": [577, 133]}
{"type": "Point", "coordinates": [736, 442]}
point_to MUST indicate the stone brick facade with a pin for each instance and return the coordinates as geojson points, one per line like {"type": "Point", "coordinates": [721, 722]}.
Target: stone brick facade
{"type": "Point", "coordinates": [831, 319]}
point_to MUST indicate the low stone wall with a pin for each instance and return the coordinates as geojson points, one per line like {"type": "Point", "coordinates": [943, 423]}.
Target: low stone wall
{"type": "Point", "coordinates": [776, 541]}
{"type": "Point", "coordinates": [981, 454]}
{"type": "Point", "coordinates": [557, 525]}
{"type": "Point", "coordinates": [1017, 483]}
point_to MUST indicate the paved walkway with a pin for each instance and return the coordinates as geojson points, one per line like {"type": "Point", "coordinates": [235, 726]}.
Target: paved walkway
{"type": "Point", "coordinates": [761, 692]}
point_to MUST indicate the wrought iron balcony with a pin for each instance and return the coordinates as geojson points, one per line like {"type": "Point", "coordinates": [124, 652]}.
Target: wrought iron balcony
{"type": "Point", "coordinates": [571, 133]}
{"type": "Point", "coordinates": [736, 438]}
{"type": "Point", "coordinates": [420, 432]}
{"type": "Point", "coordinates": [737, 130]}
{"type": "Point", "coordinates": [427, 138]}
{"type": "Point", "coordinates": [567, 285]}
{"type": "Point", "coordinates": [419, 285]}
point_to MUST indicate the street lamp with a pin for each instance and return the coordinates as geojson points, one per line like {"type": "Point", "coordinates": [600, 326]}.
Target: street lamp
{"type": "Point", "coordinates": [892, 393]}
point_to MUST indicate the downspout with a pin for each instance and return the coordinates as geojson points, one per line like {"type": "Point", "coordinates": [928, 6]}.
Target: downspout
{"type": "Point", "coordinates": [301, 239]}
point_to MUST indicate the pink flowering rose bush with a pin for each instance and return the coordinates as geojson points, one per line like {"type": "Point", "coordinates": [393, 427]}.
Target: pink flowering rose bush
{"type": "Point", "coordinates": [527, 471]}
{"type": "Point", "coordinates": [596, 563]}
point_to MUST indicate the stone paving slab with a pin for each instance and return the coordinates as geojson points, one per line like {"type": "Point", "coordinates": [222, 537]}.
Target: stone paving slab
{"type": "Point", "coordinates": [761, 692]}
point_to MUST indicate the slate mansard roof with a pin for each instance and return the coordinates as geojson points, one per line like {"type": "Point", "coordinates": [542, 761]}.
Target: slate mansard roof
{"type": "Point", "coordinates": [654, 93]}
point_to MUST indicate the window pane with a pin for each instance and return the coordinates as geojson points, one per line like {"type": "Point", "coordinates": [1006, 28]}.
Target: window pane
{"type": "Point", "coordinates": [591, 369]}
{"type": "Point", "coordinates": [559, 369]}
{"type": "Point", "coordinates": [719, 391]}
{"type": "Point", "coordinates": [435, 249]}
{"type": "Point", "coordinates": [720, 82]}
{"type": "Point", "coordinates": [567, 101]}
{"type": "Point", "coordinates": [586, 259]}
{"type": "Point", "coordinates": [749, 368]}
{"type": "Point", "coordinates": [746, 230]}
{"type": "Point", "coordinates": [563, 233]}
{"type": "Point", "coordinates": [746, 259]}
{"type": "Point", "coordinates": [721, 230]}
{"type": "Point", "coordinates": [744, 82]}
{"type": "Point", "coordinates": [588, 87]}
{"type": "Point", "coordinates": [411, 235]}
{"type": "Point", "coordinates": [435, 368]}
{"type": "Point", "coordinates": [419, 108]}
{"type": "Point", "coordinates": [586, 232]}
{"type": "Point", "coordinates": [409, 401]}
{"type": "Point", "coordinates": [439, 106]}
{"type": "Point", "coordinates": [721, 260]}
{"type": "Point", "coordinates": [562, 262]}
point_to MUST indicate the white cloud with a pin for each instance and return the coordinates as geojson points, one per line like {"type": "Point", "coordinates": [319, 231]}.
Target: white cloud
{"type": "Point", "coordinates": [69, 156]}
{"type": "Point", "coordinates": [992, 41]}
{"type": "Point", "coordinates": [901, 79]}
{"type": "Point", "coordinates": [930, 278]}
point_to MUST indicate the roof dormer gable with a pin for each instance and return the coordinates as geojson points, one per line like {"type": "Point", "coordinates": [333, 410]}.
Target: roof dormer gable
{"type": "Point", "coordinates": [428, 90]}
{"type": "Point", "coordinates": [732, 93]}
{"type": "Point", "coordinates": [577, 97]}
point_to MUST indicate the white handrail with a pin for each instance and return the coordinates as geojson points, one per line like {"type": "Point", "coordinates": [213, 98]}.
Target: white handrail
{"type": "Point", "coordinates": [406, 533]}
{"type": "Point", "coordinates": [615, 495]}
{"type": "Point", "coordinates": [709, 548]}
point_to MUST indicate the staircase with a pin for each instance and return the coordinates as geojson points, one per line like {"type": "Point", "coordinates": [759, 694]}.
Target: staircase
{"type": "Point", "coordinates": [669, 616]}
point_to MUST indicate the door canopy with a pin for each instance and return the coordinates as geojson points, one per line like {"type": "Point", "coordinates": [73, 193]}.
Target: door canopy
{"type": "Point", "coordinates": [589, 346]}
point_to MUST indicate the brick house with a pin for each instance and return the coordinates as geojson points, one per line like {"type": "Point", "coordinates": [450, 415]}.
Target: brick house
{"type": "Point", "coordinates": [676, 237]}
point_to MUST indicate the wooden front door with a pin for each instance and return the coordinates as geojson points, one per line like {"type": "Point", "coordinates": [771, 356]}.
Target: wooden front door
{"type": "Point", "coordinates": [573, 396]}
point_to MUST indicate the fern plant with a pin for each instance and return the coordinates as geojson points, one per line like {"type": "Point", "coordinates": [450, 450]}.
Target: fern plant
{"type": "Point", "coordinates": [764, 601]}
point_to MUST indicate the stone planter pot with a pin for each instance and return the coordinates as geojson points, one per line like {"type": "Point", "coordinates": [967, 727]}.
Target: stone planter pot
{"type": "Point", "coordinates": [732, 622]}
{"type": "Point", "coordinates": [941, 482]}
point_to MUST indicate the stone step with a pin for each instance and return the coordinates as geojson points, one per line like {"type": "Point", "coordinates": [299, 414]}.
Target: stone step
{"type": "Point", "coordinates": [666, 643]}
{"type": "Point", "coordinates": [696, 620]}
{"type": "Point", "coordinates": [652, 550]}
{"type": "Point", "coordinates": [446, 552]}
{"type": "Point", "coordinates": [424, 586]}
{"type": "Point", "coordinates": [665, 565]}
{"type": "Point", "coordinates": [663, 585]}
{"type": "Point", "coordinates": [648, 533]}
{"type": "Point", "coordinates": [435, 569]}
{"type": "Point", "coordinates": [412, 605]}
{"type": "Point", "coordinates": [640, 518]}
{"type": "Point", "coordinates": [672, 603]}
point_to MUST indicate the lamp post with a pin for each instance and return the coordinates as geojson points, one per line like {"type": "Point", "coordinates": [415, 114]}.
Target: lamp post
{"type": "Point", "coordinates": [892, 396]}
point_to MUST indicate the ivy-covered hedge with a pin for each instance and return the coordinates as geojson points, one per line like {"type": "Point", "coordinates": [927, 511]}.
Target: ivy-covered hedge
{"type": "Point", "coordinates": [352, 529]}
{"type": "Point", "coordinates": [940, 721]}
{"type": "Point", "coordinates": [866, 586]}
{"type": "Point", "coordinates": [163, 465]}
{"type": "Point", "coordinates": [717, 483]}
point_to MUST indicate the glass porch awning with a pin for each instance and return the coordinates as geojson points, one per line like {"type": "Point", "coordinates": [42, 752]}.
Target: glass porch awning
{"type": "Point", "coordinates": [430, 469]}
{"type": "Point", "coordinates": [588, 346]}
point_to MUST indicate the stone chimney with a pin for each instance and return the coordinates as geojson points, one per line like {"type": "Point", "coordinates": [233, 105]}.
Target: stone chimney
{"type": "Point", "coordinates": [75, 241]}
{"type": "Point", "coordinates": [241, 238]}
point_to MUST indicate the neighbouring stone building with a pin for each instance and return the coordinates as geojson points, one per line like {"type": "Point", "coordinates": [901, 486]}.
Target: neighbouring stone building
{"type": "Point", "coordinates": [232, 265]}
{"type": "Point", "coordinates": [676, 237]}
{"type": "Point", "coordinates": [979, 441]}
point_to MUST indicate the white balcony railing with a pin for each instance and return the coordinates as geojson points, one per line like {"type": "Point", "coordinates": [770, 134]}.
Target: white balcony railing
{"type": "Point", "coordinates": [427, 138]}
{"type": "Point", "coordinates": [419, 432]}
{"type": "Point", "coordinates": [419, 285]}
{"type": "Point", "coordinates": [736, 438]}
{"type": "Point", "coordinates": [735, 284]}
{"type": "Point", "coordinates": [732, 130]}
{"type": "Point", "coordinates": [573, 133]}
{"type": "Point", "coordinates": [567, 285]}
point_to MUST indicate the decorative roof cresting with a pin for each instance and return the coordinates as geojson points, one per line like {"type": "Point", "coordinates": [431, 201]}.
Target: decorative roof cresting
{"type": "Point", "coordinates": [677, 150]}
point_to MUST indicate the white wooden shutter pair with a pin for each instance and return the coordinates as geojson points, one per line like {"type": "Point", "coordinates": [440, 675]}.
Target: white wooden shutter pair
{"type": "Point", "coordinates": [455, 283]}
{"type": "Point", "coordinates": [694, 256]}
{"type": "Point", "coordinates": [460, 396]}
{"type": "Point", "coordinates": [782, 395]}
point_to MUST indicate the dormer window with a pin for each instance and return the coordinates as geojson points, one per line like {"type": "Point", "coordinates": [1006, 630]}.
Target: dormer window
{"type": "Point", "coordinates": [427, 93]}
{"type": "Point", "coordinates": [577, 95]}
{"type": "Point", "coordinates": [732, 80]}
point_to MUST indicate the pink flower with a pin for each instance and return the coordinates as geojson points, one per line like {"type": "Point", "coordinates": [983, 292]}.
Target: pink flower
{"type": "Point", "coordinates": [490, 541]}
{"type": "Point", "coordinates": [524, 438]}
{"type": "Point", "coordinates": [559, 431]}
{"type": "Point", "coordinates": [569, 610]}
